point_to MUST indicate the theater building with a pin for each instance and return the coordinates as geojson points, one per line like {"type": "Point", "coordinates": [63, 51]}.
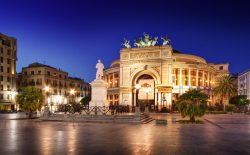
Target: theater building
{"type": "Point", "coordinates": [156, 76]}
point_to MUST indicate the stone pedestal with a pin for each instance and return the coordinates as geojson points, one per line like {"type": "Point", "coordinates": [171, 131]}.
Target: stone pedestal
{"type": "Point", "coordinates": [98, 93]}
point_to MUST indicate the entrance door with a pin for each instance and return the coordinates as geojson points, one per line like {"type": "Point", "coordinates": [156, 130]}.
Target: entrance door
{"type": "Point", "coordinates": [146, 93]}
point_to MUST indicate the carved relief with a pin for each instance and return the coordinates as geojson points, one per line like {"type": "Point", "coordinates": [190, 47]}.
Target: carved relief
{"type": "Point", "coordinates": [132, 70]}
{"type": "Point", "coordinates": [157, 69]}
{"type": "Point", "coordinates": [144, 55]}
{"type": "Point", "coordinates": [124, 56]}
{"type": "Point", "coordinates": [164, 53]}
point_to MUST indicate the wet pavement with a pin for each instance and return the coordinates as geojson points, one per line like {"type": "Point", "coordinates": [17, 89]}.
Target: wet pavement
{"type": "Point", "coordinates": [221, 134]}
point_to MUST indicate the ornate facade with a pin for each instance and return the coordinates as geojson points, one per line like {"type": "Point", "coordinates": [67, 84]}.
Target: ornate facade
{"type": "Point", "coordinates": [156, 76]}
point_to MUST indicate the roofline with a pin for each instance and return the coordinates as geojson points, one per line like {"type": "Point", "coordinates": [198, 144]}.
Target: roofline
{"type": "Point", "coordinates": [244, 72]}
{"type": "Point", "coordinates": [44, 66]}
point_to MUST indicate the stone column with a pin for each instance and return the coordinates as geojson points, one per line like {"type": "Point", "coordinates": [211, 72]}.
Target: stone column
{"type": "Point", "coordinates": [113, 99]}
{"type": "Point", "coordinates": [189, 77]}
{"type": "Point", "coordinates": [113, 82]}
{"type": "Point", "coordinates": [180, 87]}
{"type": "Point", "coordinates": [197, 74]}
{"type": "Point", "coordinates": [159, 101]}
{"type": "Point", "coordinates": [203, 79]}
{"type": "Point", "coordinates": [156, 91]}
{"type": "Point", "coordinates": [180, 77]}
{"type": "Point", "coordinates": [208, 79]}
{"type": "Point", "coordinates": [134, 97]}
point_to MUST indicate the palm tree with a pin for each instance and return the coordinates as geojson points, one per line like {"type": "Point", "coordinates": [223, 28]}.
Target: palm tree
{"type": "Point", "coordinates": [226, 88]}
{"type": "Point", "coordinates": [30, 99]}
{"type": "Point", "coordinates": [192, 103]}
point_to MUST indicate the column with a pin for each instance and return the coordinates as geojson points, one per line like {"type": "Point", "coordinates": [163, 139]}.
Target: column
{"type": "Point", "coordinates": [203, 79]}
{"type": "Point", "coordinates": [181, 85]}
{"type": "Point", "coordinates": [134, 97]}
{"type": "Point", "coordinates": [208, 79]}
{"type": "Point", "coordinates": [113, 82]}
{"type": "Point", "coordinates": [159, 101]}
{"type": "Point", "coordinates": [180, 77]}
{"type": "Point", "coordinates": [156, 100]}
{"type": "Point", "coordinates": [197, 74]}
{"type": "Point", "coordinates": [113, 99]}
{"type": "Point", "coordinates": [189, 77]}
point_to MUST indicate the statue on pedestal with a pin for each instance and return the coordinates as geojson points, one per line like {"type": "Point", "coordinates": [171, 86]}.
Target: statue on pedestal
{"type": "Point", "coordinates": [99, 72]}
{"type": "Point", "coordinates": [99, 88]}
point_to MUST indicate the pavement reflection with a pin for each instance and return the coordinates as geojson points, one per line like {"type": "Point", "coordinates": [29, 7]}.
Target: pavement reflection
{"type": "Point", "coordinates": [49, 138]}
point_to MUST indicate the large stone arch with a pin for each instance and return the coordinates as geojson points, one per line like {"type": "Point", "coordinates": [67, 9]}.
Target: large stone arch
{"type": "Point", "coordinates": [140, 71]}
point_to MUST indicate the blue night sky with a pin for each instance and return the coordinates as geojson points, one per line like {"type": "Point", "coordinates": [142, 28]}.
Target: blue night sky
{"type": "Point", "coordinates": [73, 34]}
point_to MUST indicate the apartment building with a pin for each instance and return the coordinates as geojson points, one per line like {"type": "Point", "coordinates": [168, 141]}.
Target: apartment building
{"type": "Point", "coordinates": [8, 58]}
{"type": "Point", "coordinates": [56, 85]}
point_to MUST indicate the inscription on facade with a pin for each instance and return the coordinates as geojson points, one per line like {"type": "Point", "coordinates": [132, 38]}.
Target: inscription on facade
{"type": "Point", "coordinates": [147, 55]}
{"type": "Point", "coordinates": [165, 89]}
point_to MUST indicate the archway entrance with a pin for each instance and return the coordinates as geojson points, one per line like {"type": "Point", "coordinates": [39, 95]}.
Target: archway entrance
{"type": "Point", "coordinates": [145, 94]}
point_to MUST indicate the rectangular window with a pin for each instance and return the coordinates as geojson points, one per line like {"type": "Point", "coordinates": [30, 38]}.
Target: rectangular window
{"type": "Point", "coordinates": [48, 72]}
{"type": "Point", "coordinates": [39, 72]}
{"type": "Point", "coordinates": [1, 59]}
{"type": "Point", "coordinates": [1, 78]}
{"type": "Point", "coordinates": [8, 70]}
{"type": "Point", "coordinates": [8, 79]}
{"type": "Point", "coordinates": [1, 68]}
{"type": "Point", "coordinates": [8, 61]}
{"type": "Point", "coordinates": [221, 67]}
{"type": "Point", "coordinates": [1, 88]}
{"type": "Point", "coordinates": [32, 72]}
{"type": "Point", "coordinates": [8, 52]}
{"type": "Point", "coordinates": [1, 96]}
{"type": "Point", "coordinates": [1, 50]}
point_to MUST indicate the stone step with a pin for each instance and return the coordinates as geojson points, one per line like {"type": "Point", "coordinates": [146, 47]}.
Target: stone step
{"type": "Point", "coordinates": [147, 120]}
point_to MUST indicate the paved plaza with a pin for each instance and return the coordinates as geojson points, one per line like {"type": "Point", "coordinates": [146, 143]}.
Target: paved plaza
{"type": "Point", "coordinates": [221, 134]}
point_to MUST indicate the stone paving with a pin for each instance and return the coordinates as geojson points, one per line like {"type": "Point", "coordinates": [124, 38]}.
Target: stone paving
{"type": "Point", "coordinates": [221, 134]}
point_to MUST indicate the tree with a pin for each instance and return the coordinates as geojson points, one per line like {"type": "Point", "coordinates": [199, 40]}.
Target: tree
{"type": "Point", "coordinates": [226, 88]}
{"type": "Point", "coordinates": [239, 100]}
{"type": "Point", "coordinates": [85, 101]}
{"type": "Point", "coordinates": [30, 99]}
{"type": "Point", "coordinates": [192, 103]}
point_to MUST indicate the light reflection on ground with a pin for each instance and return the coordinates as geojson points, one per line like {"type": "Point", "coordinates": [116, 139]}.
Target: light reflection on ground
{"type": "Point", "coordinates": [49, 138]}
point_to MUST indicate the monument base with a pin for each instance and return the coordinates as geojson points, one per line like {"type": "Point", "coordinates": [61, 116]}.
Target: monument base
{"type": "Point", "coordinates": [98, 93]}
